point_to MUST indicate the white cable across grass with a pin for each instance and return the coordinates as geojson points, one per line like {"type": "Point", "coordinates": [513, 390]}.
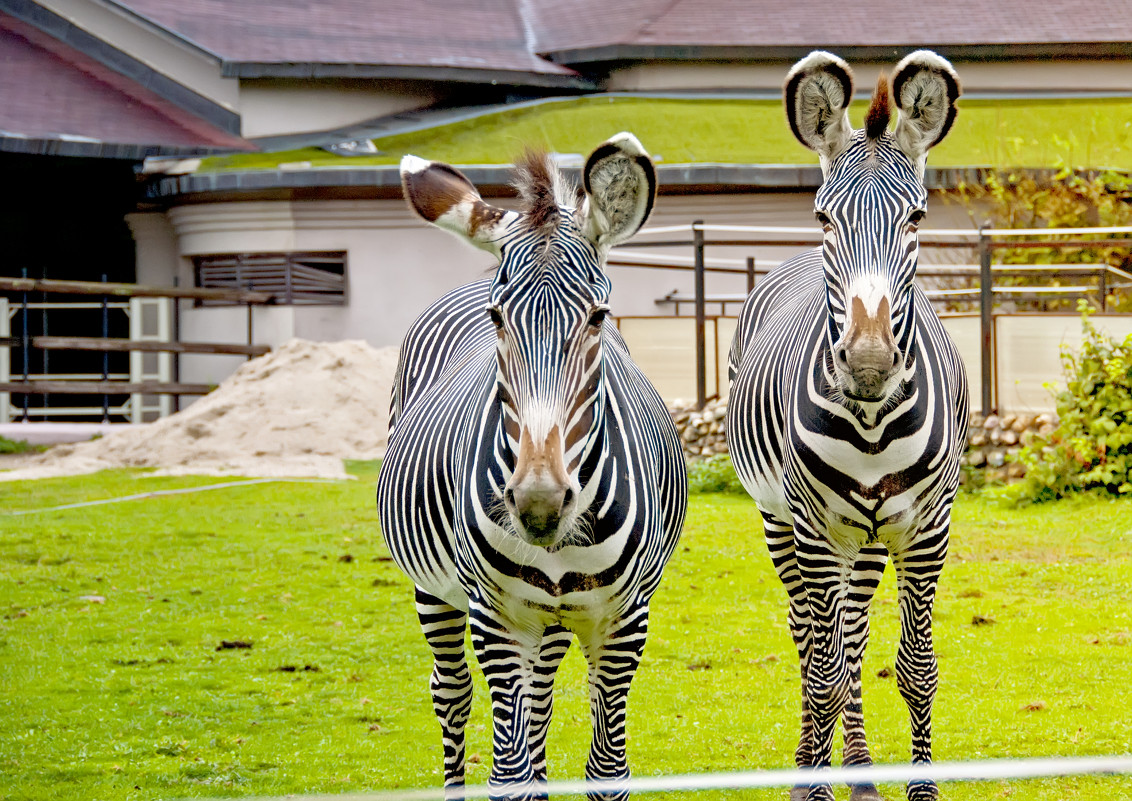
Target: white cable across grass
{"type": "Point", "coordinates": [980, 771]}
{"type": "Point", "coordinates": [181, 491]}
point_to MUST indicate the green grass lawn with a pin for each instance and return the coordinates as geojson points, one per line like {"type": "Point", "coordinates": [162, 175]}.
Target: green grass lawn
{"type": "Point", "coordinates": [1032, 133]}
{"type": "Point", "coordinates": [128, 697]}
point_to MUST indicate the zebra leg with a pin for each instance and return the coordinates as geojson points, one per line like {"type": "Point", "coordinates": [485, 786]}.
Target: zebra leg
{"type": "Point", "coordinates": [866, 576]}
{"type": "Point", "coordinates": [451, 683]}
{"type": "Point", "coordinates": [613, 660]}
{"type": "Point", "coordinates": [780, 543]}
{"type": "Point", "coordinates": [506, 655]}
{"type": "Point", "coordinates": [917, 672]}
{"type": "Point", "coordinates": [555, 643]}
{"type": "Point", "coordinates": [825, 577]}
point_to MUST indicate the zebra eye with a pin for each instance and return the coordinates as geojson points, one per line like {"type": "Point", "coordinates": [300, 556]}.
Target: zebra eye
{"type": "Point", "coordinates": [823, 220]}
{"type": "Point", "coordinates": [916, 217]}
{"type": "Point", "coordinates": [496, 317]}
{"type": "Point", "coordinates": [597, 316]}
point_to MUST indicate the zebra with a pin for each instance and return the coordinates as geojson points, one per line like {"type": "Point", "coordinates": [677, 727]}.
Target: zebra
{"type": "Point", "coordinates": [534, 485]}
{"type": "Point", "coordinates": [848, 409]}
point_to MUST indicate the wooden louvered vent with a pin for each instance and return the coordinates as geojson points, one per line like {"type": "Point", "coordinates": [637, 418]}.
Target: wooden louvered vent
{"type": "Point", "coordinates": [294, 278]}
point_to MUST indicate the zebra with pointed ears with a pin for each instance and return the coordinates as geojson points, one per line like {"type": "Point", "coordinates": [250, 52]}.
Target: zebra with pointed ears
{"type": "Point", "coordinates": [848, 407]}
{"type": "Point", "coordinates": [534, 486]}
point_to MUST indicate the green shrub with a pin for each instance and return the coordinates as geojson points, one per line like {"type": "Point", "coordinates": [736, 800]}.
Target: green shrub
{"type": "Point", "coordinates": [714, 474]}
{"type": "Point", "coordinates": [16, 446]}
{"type": "Point", "coordinates": [1091, 449]}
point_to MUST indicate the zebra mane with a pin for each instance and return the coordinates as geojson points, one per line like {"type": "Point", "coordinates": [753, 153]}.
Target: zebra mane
{"type": "Point", "coordinates": [542, 190]}
{"type": "Point", "coordinates": [880, 110]}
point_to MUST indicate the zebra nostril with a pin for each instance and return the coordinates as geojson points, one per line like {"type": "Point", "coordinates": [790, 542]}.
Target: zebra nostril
{"type": "Point", "coordinates": [895, 360]}
{"type": "Point", "coordinates": [567, 497]}
{"type": "Point", "coordinates": [843, 355]}
{"type": "Point", "coordinates": [509, 496]}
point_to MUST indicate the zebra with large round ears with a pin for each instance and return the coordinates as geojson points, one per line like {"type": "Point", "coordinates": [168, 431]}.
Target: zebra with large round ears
{"type": "Point", "coordinates": [534, 486]}
{"type": "Point", "coordinates": [848, 407]}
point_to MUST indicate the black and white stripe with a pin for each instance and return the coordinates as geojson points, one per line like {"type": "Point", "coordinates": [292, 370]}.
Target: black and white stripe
{"type": "Point", "coordinates": [848, 407]}
{"type": "Point", "coordinates": [534, 486]}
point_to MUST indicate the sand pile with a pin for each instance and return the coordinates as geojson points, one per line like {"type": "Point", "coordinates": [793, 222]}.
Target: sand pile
{"type": "Point", "coordinates": [297, 411]}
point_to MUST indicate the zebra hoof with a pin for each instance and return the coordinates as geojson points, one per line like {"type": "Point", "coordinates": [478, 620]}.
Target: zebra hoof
{"type": "Point", "coordinates": [865, 792]}
{"type": "Point", "coordinates": [821, 792]}
{"type": "Point", "coordinates": [922, 791]}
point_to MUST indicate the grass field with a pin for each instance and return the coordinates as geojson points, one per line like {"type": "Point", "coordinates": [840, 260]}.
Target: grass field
{"type": "Point", "coordinates": [1004, 134]}
{"type": "Point", "coordinates": [116, 683]}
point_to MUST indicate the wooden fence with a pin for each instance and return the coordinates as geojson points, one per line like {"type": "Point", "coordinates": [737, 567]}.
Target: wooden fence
{"type": "Point", "coordinates": [142, 384]}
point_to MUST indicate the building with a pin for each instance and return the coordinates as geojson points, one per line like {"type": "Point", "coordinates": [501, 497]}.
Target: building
{"type": "Point", "coordinates": [254, 143]}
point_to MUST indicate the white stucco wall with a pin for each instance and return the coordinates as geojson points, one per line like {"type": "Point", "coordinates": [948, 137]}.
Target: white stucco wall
{"type": "Point", "coordinates": [978, 76]}
{"type": "Point", "coordinates": [270, 107]}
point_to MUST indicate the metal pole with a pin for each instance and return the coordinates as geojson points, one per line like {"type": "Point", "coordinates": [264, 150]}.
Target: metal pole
{"type": "Point", "coordinates": [249, 305]}
{"type": "Point", "coordinates": [25, 344]}
{"type": "Point", "coordinates": [1102, 287]}
{"type": "Point", "coordinates": [750, 274]}
{"type": "Point", "coordinates": [43, 324]}
{"type": "Point", "coordinates": [176, 338]}
{"type": "Point", "coordinates": [105, 355]}
{"type": "Point", "coordinates": [701, 345]}
{"type": "Point", "coordinates": [986, 318]}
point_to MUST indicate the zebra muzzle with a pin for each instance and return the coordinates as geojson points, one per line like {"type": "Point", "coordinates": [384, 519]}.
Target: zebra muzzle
{"type": "Point", "coordinates": [539, 494]}
{"type": "Point", "coordinates": [867, 355]}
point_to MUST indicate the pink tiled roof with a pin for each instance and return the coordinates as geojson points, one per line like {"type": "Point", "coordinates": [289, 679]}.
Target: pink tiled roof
{"type": "Point", "coordinates": [485, 34]}
{"type": "Point", "coordinates": [821, 23]}
{"type": "Point", "coordinates": [51, 91]}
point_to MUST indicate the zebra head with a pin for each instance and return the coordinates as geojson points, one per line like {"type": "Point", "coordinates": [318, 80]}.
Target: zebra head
{"type": "Point", "coordinates": [548, 304]}
{"type": "Point", "coordinates": [870, 205]}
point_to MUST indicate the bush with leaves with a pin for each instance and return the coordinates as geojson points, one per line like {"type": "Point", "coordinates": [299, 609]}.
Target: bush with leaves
{"type": "Point", "coordinates": [1091, 449]}
{"type": "Point", "coordinates": [714, 474]}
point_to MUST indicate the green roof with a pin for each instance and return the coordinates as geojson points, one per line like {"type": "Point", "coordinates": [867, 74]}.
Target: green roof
{"type": "Point", "coordinates": [1001, 133]}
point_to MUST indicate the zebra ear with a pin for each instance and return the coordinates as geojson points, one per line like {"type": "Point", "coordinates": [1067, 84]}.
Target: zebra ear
{"type": "Point", "coordinates": [620, 183]}
{"type": "Point", "coordinates": [444, 197]}
{"type": "Point", "coordinates": [926, 89]}
{"type": "Point", "coordinates": [818, 91]}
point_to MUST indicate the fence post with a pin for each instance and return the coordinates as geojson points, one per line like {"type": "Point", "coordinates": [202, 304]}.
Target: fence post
{"type": "Point", "coordinates": [176, 338]}
{"type": "Point", "coordinates": [25, 344]}
{"type": "Point", "coordinates": [986, 319]}
{"type": "Point", "coordinates": [5, 360]}
{"type": "Point", "coordinates": [701, 343]}
{"type": "Point", "coordinates": [105, 355]}
{"type": "Point", "coordinates": [251, 337]}
{"type": "Point", "coordinates": [750, 274]}
{"type": "Point", "coordinates": [1102, 287]}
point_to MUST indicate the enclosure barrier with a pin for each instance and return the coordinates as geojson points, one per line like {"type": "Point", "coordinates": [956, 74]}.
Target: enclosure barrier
{"type": "Point", "coordinates": [975, 771]}
{"type": "Point", "coordinates": [984, 240]}
{"type": "Point", "coordinates": [154, 349]}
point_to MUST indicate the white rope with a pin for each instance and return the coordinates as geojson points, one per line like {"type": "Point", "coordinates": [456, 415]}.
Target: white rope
{"type": "Point", "coordinates": [984, 770]}
{"type": "Point", "coordinates": [181, 491]}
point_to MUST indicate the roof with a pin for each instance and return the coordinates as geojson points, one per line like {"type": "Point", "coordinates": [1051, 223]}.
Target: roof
{"type": "Point", "coordinates": [59, 101]}
{"type": "Point", "coordinates": [449, 39]}
{"type": "Point", "coordinates": [676, 29]}
{"type": "Point", "coordinates": [699, 144]}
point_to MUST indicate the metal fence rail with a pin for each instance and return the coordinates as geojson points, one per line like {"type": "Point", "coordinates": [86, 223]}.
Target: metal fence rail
{"type": "Point", "coordinates": [983, 240]}
{"type": "Point", "coordinates": [141, 384]}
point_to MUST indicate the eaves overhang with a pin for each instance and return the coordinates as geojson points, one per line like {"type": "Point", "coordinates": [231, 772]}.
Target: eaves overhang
{"type": "Point", "coordinates": [385, 181]}
{"type": "Point", "coordinates": [81, 147]}
{"type": "Point", "coordinates": [789, 52]}
{"type": "Point", "coordinates": [261, 69]}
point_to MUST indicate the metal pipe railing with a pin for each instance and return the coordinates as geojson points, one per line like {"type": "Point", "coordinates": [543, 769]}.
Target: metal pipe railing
{"type": "Point", "coordinates": [984, 240]}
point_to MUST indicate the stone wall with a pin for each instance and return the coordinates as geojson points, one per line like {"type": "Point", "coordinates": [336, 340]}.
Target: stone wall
{"type": "Point", "coordinates": [990, 441]}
